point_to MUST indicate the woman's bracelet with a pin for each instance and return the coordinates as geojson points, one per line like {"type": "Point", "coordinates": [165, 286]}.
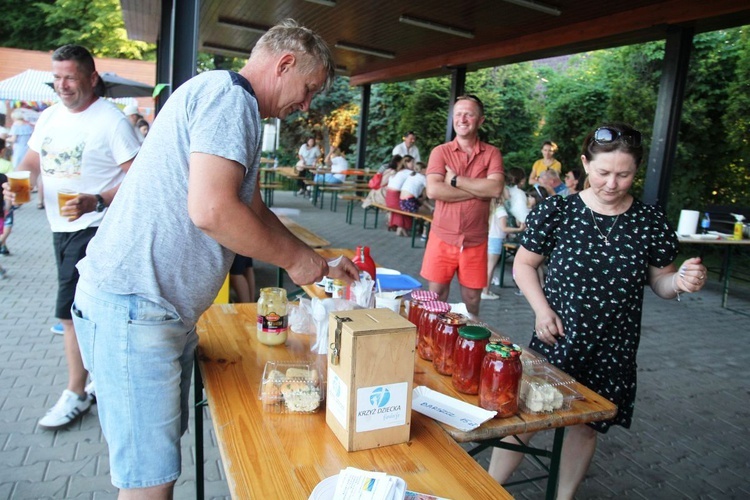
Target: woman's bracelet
{"type": "Point", "coordinates": [675, 289]}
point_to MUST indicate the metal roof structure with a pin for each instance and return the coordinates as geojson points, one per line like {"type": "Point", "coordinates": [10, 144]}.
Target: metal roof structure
{"type": "Point", "coordinates": [387, 40]}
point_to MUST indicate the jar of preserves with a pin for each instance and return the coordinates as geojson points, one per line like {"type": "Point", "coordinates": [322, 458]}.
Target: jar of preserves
{"type": "Point", "coordinates": [467, 358]}
{"type": "Point", "coordinates": [501, 379]}
{"type": "Point", "coordinates": [427, 322]}
{"type": "Point", "coordinates": [418, 297]}
{"type": "Point", "coordinates": [444, 340]}
{"type": "Point", "coordinates": [272, 316]}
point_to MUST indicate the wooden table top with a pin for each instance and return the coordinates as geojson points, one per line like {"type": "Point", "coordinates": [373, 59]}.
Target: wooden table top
{"type": "Point", "coordinates": [308, 237]}
{"type": "Point", "coordinates": [269, 455]}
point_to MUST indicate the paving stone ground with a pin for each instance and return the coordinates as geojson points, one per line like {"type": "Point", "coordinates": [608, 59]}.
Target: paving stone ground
{"type": "Point", "coordinates": [690, 437]}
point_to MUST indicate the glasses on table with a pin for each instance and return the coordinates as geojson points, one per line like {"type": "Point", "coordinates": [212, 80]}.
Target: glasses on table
{"type": "Point", "coordinates": [606, 135]}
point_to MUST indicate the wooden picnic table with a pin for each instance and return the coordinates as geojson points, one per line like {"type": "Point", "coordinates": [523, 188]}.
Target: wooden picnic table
{"type": "Point", "coordinates": [267, 455]}
{"type": "Point", "coordinates": [308, 237]}
{"type": "Point", "coordinates": [729, 245]}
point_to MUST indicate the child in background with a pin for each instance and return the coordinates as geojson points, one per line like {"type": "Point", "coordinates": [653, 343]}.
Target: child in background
{"type": "Point", "coordinates": [500, 229]}
{"type": "Point", "coordinates": [6, 213]}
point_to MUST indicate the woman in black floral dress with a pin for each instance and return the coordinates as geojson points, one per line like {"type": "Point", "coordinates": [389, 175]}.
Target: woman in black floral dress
{"type": "Point", "coordinates": [603, 248]}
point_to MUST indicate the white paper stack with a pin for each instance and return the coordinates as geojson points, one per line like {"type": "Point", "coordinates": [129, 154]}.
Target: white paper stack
{"type": "Point", "coordinates": [358, 484]}
{"type": "Point", "coordinates": [459, 414]}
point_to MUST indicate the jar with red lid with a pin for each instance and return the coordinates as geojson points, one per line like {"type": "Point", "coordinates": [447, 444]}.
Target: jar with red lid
{"type": "Point", "coordinates": [427, 322]}
{"type": "Point", "coordinates": [501, 379]}
{"type": "Point", "coordinates": [467, 358]}
{"type": "Point", "coordinates": [444, 340]}
{"type": "Point", "coordinates": [418, 297]}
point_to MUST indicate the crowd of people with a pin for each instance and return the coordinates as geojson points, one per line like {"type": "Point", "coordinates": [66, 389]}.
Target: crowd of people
{"type": "Point", "coordinates": [124, 243]}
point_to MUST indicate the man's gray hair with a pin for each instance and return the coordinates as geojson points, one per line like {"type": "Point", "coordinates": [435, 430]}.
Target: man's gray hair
{"type": "Point", "coordinates": [290, 36]}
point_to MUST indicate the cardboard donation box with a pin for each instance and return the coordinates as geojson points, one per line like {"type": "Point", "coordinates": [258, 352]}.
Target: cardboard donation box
{"type": "Point", "coordinates": [370, 377]}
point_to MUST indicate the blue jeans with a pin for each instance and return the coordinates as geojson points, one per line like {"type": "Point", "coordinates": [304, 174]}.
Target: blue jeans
{"type": "Point", "coordinates": [327, 178]}
{"type": "Point", "coordinates": [141, 357]}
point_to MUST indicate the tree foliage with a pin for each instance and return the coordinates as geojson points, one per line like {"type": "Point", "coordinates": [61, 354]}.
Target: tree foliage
{"type": "Point", "coordinates": [48, 24]}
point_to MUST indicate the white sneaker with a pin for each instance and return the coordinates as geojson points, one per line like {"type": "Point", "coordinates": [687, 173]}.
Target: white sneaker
{"type": "Point", "coordinates": [495, 280]}
{"type": "Point", "coordinates": [490, 296]}
{"type": "Point", "coordinates": [91, 391]}
{"type": "Point", "coordinates": [67, 410]}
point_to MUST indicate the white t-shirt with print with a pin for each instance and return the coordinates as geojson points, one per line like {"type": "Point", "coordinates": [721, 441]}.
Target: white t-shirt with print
{"type": "Point", "coordinates": [82, 152]}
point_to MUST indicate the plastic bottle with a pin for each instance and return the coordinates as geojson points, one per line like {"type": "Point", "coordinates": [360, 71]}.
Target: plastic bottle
{"type": "Point", "coordinates": [705, 223]}
{"type": "Point", "coordinates": [363, 261]}
{"type": "Point", "coordinates": [738, 226]}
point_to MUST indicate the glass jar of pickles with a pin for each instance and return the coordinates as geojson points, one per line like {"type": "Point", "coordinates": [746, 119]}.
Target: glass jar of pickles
{"type": "Point", "coordinates": [427, 322]}
{"type": "Point", "coordinates": [467, 358]}
{"type": "Point", "coordinates": [444, 340]}
{"type": "Point", "coordinates": [418, 297]}
{"type": "Point", "coordinates": [272, 326]}
{"type": "Point", "coordinates": [500, 379]}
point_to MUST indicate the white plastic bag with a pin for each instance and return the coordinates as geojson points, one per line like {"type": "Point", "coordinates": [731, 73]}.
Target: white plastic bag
{"type": "Point", "coordinates": [320, 311]}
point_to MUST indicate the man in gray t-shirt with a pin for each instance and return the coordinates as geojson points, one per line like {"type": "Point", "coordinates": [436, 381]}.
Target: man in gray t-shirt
{"type": "Point", "coordinates": [188, 205]}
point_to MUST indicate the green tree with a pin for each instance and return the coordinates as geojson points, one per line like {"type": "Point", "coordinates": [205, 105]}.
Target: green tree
{"type": "Point", "coordinates": [24, 28]}
{"type": "Point", "coordinates": [48, 24]}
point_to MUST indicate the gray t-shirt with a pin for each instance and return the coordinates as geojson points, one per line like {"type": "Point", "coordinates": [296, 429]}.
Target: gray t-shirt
{"type": "Point", "coordinates": [147, 244]}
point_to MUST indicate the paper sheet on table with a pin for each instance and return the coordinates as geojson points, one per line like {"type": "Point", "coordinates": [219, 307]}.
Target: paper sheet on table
{"type": "Point", "coordinates": [459, 414]}
{"type": "Point", "coordinates": [357, 484]}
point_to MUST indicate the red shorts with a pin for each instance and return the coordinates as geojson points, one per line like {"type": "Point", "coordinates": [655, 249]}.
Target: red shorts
{"type": "Point", "coordinates": [441, 261]}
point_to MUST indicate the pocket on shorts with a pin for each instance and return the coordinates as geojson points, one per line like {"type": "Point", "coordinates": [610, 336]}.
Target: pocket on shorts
{"type": "Point", "coordinates": [86, 334]}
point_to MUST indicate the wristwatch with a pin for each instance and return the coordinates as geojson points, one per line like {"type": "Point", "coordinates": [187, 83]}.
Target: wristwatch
{"type": "Point", "coordinates": [453, 180]}
{"type": "Point", "coordinates": [100, 206]}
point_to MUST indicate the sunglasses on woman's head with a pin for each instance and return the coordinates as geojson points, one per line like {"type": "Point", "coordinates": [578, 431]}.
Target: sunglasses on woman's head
{"type": "Point", "coordinates": [605, 135]}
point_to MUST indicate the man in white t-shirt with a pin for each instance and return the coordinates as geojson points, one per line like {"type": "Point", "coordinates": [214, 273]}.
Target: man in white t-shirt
{"type": "Point", "coordinates": [83, 144]}
{"type": "Point", "coordinates": [407, 147]}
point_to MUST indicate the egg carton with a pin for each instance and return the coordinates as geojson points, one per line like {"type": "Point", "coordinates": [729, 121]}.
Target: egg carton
{"type": "Point", "coordinates": [291, 388]}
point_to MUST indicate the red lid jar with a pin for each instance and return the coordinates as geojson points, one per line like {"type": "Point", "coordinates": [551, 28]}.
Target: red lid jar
{"type": "Point", "coordinates": [500, 379]}
{"type": "Point", "coordinates": [430, 313]}
{"type": "Point", "coordinates": [467, 358]}
{"type": "Point", "coordinates": [444, 340]}
{"type": "Point", "coordinates": [418, 297]}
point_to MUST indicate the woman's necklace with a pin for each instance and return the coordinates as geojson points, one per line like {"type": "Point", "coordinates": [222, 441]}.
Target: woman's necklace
{"type": "Point", "coordinates": [605, 237]}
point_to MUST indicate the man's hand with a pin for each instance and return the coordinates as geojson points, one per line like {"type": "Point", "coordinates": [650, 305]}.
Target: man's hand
{"type": "Point", "coordinates": [8, 195]}
{"type": "Point", "coordinates": [345, 270]}
{"type": "Point", "coordinates": [449, 175]}
{"type": "Point", "coordinates": [308, 268]}
{"type": "Point", "coordinates": [81, 204]}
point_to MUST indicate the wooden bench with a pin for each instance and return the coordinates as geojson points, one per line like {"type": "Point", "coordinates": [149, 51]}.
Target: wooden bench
{"type": "Point", "coordinates": [509, 248]}
{"type": "Point", "coordinates": [351, 199]}
{"type": "Point", "coordinates": [420, 219]}
{"type": "Point", "coordinates": [268, 190]}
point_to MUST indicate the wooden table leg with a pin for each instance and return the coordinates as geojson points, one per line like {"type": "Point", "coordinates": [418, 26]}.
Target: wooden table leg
{"type": "Point", "coordinates": [198, 407]}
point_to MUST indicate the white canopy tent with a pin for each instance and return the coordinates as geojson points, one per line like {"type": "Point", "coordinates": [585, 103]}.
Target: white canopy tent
{"type": "Point", "coordinates": [35, 86]}
{"type": "Point", "coordinates": [28, 86]}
